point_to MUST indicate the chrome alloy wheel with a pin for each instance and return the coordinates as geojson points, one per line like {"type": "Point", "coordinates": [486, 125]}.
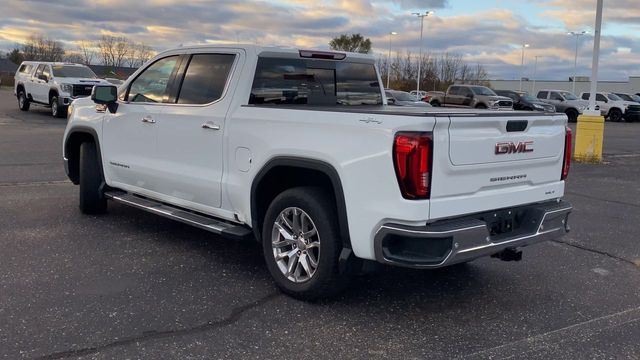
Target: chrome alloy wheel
{"type": "Point", "coordinates": [54, 107]}
{"type": "Point", "coordinates": [296, 244]}
{"type": "Point", "coordinates": [21, 100]}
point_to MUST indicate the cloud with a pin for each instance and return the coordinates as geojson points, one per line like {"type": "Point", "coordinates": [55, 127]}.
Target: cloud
{"type": "Point", "coordinates": [491, 36]}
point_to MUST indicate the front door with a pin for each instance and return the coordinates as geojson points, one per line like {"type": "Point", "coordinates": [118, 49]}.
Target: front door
{"type": "Point", "coordinates": [190, 133]}
{"type": "Point", "coordinates": [130, 156]}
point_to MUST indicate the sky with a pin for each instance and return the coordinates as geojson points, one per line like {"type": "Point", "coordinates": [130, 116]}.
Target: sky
{"type": "Point", "coordinates": [489, 32]}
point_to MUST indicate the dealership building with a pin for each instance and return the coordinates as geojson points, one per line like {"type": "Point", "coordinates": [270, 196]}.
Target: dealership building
{"type": "Point", "coordinates": [583, 84]}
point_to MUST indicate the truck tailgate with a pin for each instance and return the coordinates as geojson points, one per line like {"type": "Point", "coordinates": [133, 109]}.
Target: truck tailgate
{"type": "Point", "coordinates": [493, 161]}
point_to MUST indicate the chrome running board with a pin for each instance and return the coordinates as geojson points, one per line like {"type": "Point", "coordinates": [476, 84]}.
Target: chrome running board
{"type": "Point", "coordinates": [216, 226]}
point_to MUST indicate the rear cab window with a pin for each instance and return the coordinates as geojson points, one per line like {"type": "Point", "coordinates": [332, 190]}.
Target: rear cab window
{"type": "Point", "coordinates": [205, 79]}
{"type": "Point", "coordinates": [283, 81]}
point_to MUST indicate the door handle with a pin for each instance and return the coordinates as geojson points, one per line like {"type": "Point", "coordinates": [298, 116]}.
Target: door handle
{"type": "Point", "coordinates": [210, 126]}
{"type": "Point", "coordinates": [148, 119]}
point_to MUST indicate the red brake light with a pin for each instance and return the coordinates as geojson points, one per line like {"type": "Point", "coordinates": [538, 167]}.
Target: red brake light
{"type": "Point", "coordinates": [412, 156]}
{"type": "Point", "coordinates": [566, 164]}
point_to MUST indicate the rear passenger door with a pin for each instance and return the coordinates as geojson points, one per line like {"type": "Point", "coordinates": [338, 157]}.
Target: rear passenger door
{"type": "Point", "coordinates": [191, 129]}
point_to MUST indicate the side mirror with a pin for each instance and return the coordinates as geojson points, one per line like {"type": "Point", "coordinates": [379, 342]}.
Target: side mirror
{"type": "Point", "coordinates": [43, 77]}
{"type": "Point", "coordinates": [105, 95]}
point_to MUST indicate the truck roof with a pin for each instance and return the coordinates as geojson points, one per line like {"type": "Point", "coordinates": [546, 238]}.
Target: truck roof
{"type": "Point", "coordinates": [274, 50]}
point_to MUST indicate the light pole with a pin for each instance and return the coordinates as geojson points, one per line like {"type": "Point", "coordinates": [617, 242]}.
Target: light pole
{"type": "Point", "coordinates": [575, 59]}
{"type": "Point", "coordinates": [391, 33]}
{"type": "Point", "coordinates": [421, 16]}
{"type": "Point", "coordinates": [522, 64]}
{"type": "Point", "coordinates": [535, 69]}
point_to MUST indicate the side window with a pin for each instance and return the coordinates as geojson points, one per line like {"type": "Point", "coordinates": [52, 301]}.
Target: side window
{"type": "Point", "coordinates": [465, 91]}
{"type": "Point", "coordinates": [454, 90]}
{"type": "Point", "coordinates": [151, 84]}
{"type": "Point", "coordinates": [25, 69]}
{"type": "Point", "coordinates": [543, 94]}
{"type": "Point", "coordinates": [205, 78]}
{"type": "Point", "coordinates": [556, 96]}
{"type": "Point", "coordinates": [600, 97]}
{"type": "Point", "coordinates": [39, 70]}
{"type": "Point", "coordinates": [585, 96]}
{"type": "Point", "coordinates": [46, 72]}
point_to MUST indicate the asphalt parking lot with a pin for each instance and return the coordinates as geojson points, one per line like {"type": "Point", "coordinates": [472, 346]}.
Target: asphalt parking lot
{"type": "Point", "coordinates": [133, 285]}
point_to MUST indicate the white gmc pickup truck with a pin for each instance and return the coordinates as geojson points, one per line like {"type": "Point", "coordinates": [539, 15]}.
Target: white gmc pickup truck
{"type": "Point", "coordinates": [298, 150]}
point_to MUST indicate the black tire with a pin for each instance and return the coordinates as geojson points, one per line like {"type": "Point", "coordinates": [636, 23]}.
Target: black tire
{"type": "Point", "coordinates": [572, 115]}
{"type": "Point", "coordinates": [91, 199]}
{"type": "Point", "coordinates": [435, 103]}
{"type": "Point", "coordinates": [327, 281]}
{"type": "Point", "coordinates": [481, 106]}
{"type": "Point", "coordinates": [615, 115]}
{"type": "Point", "coordinates": [57, 110]}
{"type": "Point", "coordinates": [23, 101]}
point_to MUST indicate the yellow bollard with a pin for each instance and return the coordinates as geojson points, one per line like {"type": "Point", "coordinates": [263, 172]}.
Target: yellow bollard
{"type": "Point", "coordinates": [589, 135]}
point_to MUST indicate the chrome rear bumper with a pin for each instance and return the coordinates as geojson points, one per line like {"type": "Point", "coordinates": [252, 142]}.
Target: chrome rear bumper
{"type": "Point", "coordinates": [463, 239]}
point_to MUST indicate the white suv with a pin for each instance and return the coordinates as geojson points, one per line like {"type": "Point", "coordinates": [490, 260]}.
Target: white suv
{"type": "Point", "coordinates": [53, 84]}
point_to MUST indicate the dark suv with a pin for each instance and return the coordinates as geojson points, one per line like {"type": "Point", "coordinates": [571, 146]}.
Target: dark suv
{"type": "Point", "coordinates": [524, 101]}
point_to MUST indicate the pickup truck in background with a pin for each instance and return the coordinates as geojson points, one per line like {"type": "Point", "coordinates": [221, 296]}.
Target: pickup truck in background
{"type": "Point", "coordinates": [298, 150]}
{"type": "Point", "coordinates": [53, 84]}
{"type": "Point", "coordinates": [565, 102]}
{"type": "Point", "coordinates": [614, 108]}
{"type": "Point", "coordinates": [472, 96]}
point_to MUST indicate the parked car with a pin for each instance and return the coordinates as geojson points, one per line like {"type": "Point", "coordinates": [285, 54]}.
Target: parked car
{"type": "Point", "coordinates": [402, 98]}
{"type": "Point", "coordinates": [53, 84]}
{"type": "Point", "coordinates": [524, 101]}
{"type": "Point", "coordinates": [564, 101]}
{"type": "Point", "coordinates": [472, 96]}
{"type": "Point", "coordinates": [196, 135]}
{"type": "Point", "coordinates": [613, 108]}
{"type": "Point", "coordinates": [430, 94]}
{"type": "Point", "coordinates": [629, 97]}
{"type": "Point", "coordinates": [418, 94]}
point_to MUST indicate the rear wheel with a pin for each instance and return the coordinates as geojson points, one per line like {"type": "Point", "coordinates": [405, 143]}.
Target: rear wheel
{"type": "Point", "coordinates": [481, 106]}
{"type": "Point", "coordinates": [301, 244]}
{"type": "Point", "coordinates": [615, 115]}
{"type": "Point", "coordinates": [435, 103]}
{"type": "Point", "coordinates": [23, 102]}
{"type": "Point", "coordinates": [572, 115]}
{"type": "Point", "coordinates": [91, 199]}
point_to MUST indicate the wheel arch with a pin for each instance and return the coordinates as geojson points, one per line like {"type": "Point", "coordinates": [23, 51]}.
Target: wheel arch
{"type": "Point", "coordinates": [263, 190]}
{"type": "Point", "coordinates": [72, 143]}
{"type": "Point", "coordinates": [52, 92]}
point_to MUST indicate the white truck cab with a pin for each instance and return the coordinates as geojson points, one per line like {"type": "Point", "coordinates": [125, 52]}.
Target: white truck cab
{"type": "Point", "coordinates": [53, 84]}
{"type": "Point", "coordinates": [298, 150]}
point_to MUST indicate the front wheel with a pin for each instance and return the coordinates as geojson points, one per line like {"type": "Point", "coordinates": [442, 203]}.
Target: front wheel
{"type": "Point", "coordinates": [91, 199]}
{"type": "Point", "coordinates": [572, 115]}
{"type": "Point", "coordinates": [301, 244]}
{"type": "Point", "coordinates": [481, 106]}
{"type": "Point", "coordinates": [615, 115]}
{"type": "Point", "coordinates": [57, 110]}
{"type": "Point", "coordinates": [23, 102]}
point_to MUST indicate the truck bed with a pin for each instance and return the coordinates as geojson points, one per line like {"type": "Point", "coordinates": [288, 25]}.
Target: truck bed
{"type": "Point", "coordinates": [406, 110]}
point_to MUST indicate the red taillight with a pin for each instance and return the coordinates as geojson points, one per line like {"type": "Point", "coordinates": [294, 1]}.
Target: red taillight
{"type": "Point", "coordinates": [412, 154]}
{"type": "Point", "coordinates": [566, 164]}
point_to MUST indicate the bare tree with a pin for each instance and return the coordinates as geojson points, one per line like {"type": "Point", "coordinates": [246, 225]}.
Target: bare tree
{"type": "Point", "coordinates": [86, 52]}
{"type": "Point", "coordinates": [106, 46]}
{"type": "Point", "coordinates": [138, 54]}
{"type": "Point", "coordinates": [39, 48]}
{"type": "Point", "coordinates": [120, 51]}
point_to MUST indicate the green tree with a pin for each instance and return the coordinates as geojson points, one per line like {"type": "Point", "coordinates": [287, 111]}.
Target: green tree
{"type": "Point", "coordinates": [15, 56]}
{"type": "Point", "coordinates": [351, 43]}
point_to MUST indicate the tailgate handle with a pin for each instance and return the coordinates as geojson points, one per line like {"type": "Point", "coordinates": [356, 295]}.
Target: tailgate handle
{"type": "Point", "coordinates": [517, 125]}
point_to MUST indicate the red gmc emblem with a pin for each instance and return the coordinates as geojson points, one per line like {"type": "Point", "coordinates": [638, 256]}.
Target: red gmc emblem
{"type": "Point", "coordinates": [510, 147]}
